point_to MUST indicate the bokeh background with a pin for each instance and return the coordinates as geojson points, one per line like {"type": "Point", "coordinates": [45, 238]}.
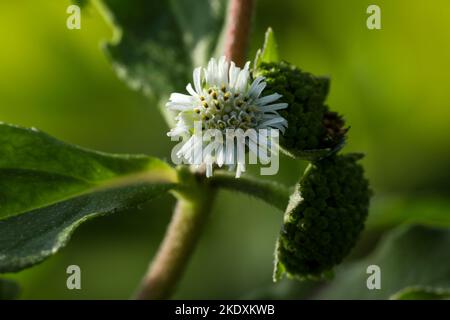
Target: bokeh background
{"type": "Point", "coordinates": [391, 85]}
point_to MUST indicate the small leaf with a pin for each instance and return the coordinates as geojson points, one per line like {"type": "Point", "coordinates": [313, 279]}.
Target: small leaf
{"type": "Point", "coordinates": [269, 51]}
{"type": "Point", "coordinates": [9, 289]}
{"type": "Point", "coordinates": [422, 293]}
{"type": "Point", "coordinates": [48, 188]}
{"type": "Point", "coordinates": [407, 256]}
{"type": "Point", "coordinates": [159, 43]}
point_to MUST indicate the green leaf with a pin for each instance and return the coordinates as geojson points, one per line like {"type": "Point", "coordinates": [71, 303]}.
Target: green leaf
{"type": "Point", "coordinates": [422, 293]}
{"type": "Point", "coordinates": [48, 188]}
{"type": "Point", "coordinates": [407, 256]}
{"type": "Point", "coordinates": [9, 289]}
{"type": "Point", "coordinates": [269, 51]}
{"type": "Point", "coordinates": [159, 43]}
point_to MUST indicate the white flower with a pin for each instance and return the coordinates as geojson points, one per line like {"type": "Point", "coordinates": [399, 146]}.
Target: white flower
{"type": "Point", "coordinates": [222, 98]}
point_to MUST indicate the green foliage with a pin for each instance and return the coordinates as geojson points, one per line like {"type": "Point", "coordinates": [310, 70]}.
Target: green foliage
{"type": "Point", "coordinates": [411, 256]}
{"type": "Point", "coordinates": [324, 217]}
{"type": "Point", "coordinates": [48, 188]}
{"type": "Point", "coordinates": [313, 131]}
{"type": "Point", "coordinates": [422, 293]}
{"type": "Point", "coordinates": [390, 212]}
{"type": "Point", "coordinates": [158, 43]}
{"type": "Point", "coordinates": [269, 51]}
{"type": "Point", "coordinates": [9, 289]}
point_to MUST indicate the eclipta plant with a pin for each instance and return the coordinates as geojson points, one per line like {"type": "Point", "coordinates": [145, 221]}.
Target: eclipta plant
{"type": "Point", "coordinates": [48, 188]}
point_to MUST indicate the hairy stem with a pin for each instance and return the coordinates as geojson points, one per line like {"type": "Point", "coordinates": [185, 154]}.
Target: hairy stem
{"type": "Point", "coordinates": [181, 237]}
{"type": "Point", "coordinates": [238, 29]}
{"type": "Point", "coordinates": [271, 192]}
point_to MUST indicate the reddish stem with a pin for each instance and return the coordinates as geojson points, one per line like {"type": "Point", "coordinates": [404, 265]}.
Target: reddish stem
{"type": "Point", "coordinates": [238, 29]}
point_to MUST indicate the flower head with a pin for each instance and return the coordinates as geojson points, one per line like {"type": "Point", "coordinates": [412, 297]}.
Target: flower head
{"type": "Point", "coordinates": [222, 98]}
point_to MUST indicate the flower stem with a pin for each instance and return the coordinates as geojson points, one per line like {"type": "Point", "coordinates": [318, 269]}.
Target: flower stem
{"type": "Point", "coordinates": [238, 29]}
{"type": "Point", "coordinates": [271, 192]}
{"type": "Point", "coordinates": [191, 212]}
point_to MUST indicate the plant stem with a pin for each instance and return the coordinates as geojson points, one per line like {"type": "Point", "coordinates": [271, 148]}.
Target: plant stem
{"type": "Point", "coordinates": [195, 198]}
{"type": "Point", "coordinates": [179, 242]}
{"type": "Point", "coordinates": [271, 192]}
{"type": "Point", "coordinates": [238, 29]}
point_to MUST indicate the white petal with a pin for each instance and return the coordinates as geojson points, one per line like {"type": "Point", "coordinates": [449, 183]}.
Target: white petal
{"type": "Point", "coordinates": [230, 154]}
{"type": "Point", "coordinates": [257, 87]}
{"type": "Point", "coordinates": [233, 74]}
{"type": "Point", "coordinates": [272, 122]}
{"type": "Point", "coordinates": [223, 71]}
{"type": "Point", "coordinates": [247, 65]}
{"type": "Point", "coordinates": [211, 72]}
{"type": "Point", "coordinates": [208, 72]}
{"type": "Point", "coordinates": [186, 147]}
{"type": "Point", "coordinates": [198, 156]}
{"type": "Point", "coordinates": [270, 115]}
{"type": "Point", "coordinates": [220, 156]}
{"type": "Point", "coordinates": [191, 90]}
{"type": "Point", "coordinates": [242, 80]}
{"type": "Point", "coordinates": [281, 128]}
{"type": "Point", "coordinates": [197, 80]}
{"type": "Point", "coordinates": [268, 99]}
{"type": "Point", "coordinates": [240, 168]}
{"type": "Point", "coordinates": [177, 131]}
{"type": "Point", "coordinates": [257, 81]}
{"type": "Point", "coordinates": [273, 107]}
{"type": "Point", "coordinates": [209, 169]}
{"type": "Point", "coordinates": [178, 106]}
{"type": "Point", "coordinates": [180, 98]}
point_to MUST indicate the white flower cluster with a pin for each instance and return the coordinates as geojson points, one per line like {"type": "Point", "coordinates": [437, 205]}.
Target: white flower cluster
{"type": "Point", "coordinates": [222, 98]}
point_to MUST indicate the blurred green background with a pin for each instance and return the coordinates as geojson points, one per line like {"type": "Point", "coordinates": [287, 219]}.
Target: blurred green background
{"type": "Point", "coordinates": [390, 84]}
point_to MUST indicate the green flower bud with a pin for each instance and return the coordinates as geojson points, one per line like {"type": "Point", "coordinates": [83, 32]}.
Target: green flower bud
{"type": "Point", "coordinates": [313, 131]}
{"type": "Point", "coordinates": [324, 217]}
